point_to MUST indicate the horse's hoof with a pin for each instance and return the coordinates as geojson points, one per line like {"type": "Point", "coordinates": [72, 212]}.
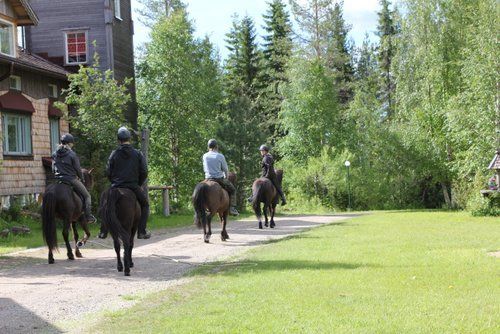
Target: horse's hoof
{"type": "Point", "coordinates": [272, 225]}
{"type": "Point", "coordinates": [79, 255]}
{"type": "Point", "coordinates": [51, 261]}
{"type": "Point", "coordinates": [132, 265]}
{"type": "Point", "coordinates": [266, 224]}
{"type": "Point", "coordinates": [260, 225]}
{"type": "Point", "coordinates": [120, 269]}
{"type": "Point", "coordinates": [71, 257]}
{"type": "Point", "coordinates": [127, 273]}
{"type": "Point", "coordinates": [207, 241]}
{"type": "Point", "coordinates": [222, 238]}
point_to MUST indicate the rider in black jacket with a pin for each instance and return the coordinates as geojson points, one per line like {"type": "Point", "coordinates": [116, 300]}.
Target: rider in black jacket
{"type": "Point", "coordinates": [127, 169]}
{"type": "Point", "coordinates": [66, 167]}
{"type": "Point", "coordinates": [269, 172]}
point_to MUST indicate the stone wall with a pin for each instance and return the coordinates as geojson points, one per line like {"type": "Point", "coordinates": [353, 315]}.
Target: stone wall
{"type": "Point", "coordinates": [22, 176]}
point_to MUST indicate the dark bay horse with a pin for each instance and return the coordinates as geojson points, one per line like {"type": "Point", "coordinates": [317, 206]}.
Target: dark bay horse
{"type": "Point", "coordinates": [264, 192]}
{"type": "Point", "coordinates": [60, 201]}
{"type": "Point", "coordinates": [120, 212]}
{"type": "Point", "coordinates": [209, 199]}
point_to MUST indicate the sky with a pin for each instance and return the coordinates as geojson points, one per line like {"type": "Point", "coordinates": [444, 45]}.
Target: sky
{"type": "Point", "coordinates": [214, 18]}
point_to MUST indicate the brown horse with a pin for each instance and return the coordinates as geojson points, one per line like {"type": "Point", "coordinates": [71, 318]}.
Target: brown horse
{"type": "Point", "coordinates": [60, 201]}
{"type": "Point", "coordinates": [263, 191]}
{"type": "Point", "coordinates": [120, 213]}
{"type": "Point", "coordinates": [209, 198]}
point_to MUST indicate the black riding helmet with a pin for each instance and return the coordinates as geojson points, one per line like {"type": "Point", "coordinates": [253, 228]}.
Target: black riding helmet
{"type": "Point", "coordinates": [264, 148]}
{"type": "Point", "coordinates": [123, 134]}
{"type": "Point", "coordinates": [212, 143]}
{"type": "Point", "coordinates": [67, 138]}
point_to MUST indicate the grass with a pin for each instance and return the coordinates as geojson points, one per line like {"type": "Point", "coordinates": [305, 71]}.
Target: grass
{"type": "Point", "coordinates": [407, 272]}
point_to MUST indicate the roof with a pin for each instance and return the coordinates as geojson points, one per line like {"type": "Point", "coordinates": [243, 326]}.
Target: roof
{"type": "Point", "coordinates": [25, 14]}
{"type": "Point", "coordinates": [495, 163]}
{"type": "Point", "coordinates": [35, 63]}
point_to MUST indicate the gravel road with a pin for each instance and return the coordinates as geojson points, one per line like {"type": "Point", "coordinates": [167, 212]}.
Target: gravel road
{"type": "Point", "coordinates": [35, 297]}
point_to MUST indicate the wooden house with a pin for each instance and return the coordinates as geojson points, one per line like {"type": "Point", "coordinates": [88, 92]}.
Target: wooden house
{"type": "Point", "coordinates": [30, 126]}
{"type": "Point", "coordinates": [68, 28]}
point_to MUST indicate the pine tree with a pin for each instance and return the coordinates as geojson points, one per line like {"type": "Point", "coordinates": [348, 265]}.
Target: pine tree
{"type": "Point", "coordinates": [277, 53]}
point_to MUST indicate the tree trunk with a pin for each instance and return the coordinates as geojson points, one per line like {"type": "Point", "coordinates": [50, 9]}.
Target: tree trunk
{"type": "Point", "coordinates": [446, 194]}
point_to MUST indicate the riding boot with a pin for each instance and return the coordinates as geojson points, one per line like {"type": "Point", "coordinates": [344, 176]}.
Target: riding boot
{"type": "Point", "coordinates": [89, 217]}
{"type": "Point", "coordinates": [142, 233]}
{"type": "Point", "coordinates": [232, 205]}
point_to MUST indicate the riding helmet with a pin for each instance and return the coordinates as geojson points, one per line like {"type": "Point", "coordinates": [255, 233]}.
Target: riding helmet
{"type": "Point", "coordinates": [264, 148]}
{"type": "Point", "coordinates": [212, 143]}
{"type": "Point", "coordinates": [67, 138]}
{"type": "Point", "coordinates": [123, 134]}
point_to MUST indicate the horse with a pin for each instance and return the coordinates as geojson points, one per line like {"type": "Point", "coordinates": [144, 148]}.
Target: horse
{"type": "Point", "coordinates": [60, 201]}
{"type": "Point", "coordinates": [209, 198]}
{"type": "Point", "coordinates": [120, 212]}
{"type": "Point", "coordinates": [263, 191]}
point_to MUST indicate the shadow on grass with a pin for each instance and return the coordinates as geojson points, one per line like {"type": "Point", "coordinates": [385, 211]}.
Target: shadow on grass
{"type": "Point", "coordinates": [255, 266]}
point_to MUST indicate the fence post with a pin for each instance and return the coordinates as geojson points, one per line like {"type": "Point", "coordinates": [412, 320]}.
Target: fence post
{"type": "Point", "coordinates": [166, 202]}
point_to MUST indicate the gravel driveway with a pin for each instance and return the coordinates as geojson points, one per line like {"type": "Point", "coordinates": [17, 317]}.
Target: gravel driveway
{"type": "Point", "coordinates": [35, 296]}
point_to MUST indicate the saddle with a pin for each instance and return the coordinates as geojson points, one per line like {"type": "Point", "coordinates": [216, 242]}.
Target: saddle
{"type": "Point", "coordinates": [60, 181]}
{"type": "Point", "coordinates": [219, 182]}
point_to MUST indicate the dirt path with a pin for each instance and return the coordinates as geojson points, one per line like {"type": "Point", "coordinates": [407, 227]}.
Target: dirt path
{"type": "Point", "coordinates": [34, 296]}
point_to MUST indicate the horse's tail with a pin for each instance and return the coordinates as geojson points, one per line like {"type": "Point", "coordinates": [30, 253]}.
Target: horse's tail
{"type": "Point", "coordinates": [111, 219]}
{"type": "Point", "coordinates": [199, 198]}
{"type": "Point", "coordinates": [48, 220]}
{"type": "Point", "coordinates": [257, 197]}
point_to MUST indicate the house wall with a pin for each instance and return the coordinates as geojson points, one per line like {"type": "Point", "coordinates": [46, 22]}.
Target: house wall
{"type": "Point", "coordinates": [55, 16]}
{"type": "Point", "coordinates": [26, 176]}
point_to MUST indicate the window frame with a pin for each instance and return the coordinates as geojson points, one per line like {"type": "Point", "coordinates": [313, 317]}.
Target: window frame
{"type": "Point", "coordinates": [66, 53]}
{"type": "Point", "coordinates": [13, 41]}
{"type": "Point", "coordinates": [54, 141]}
{"type": "Point", "coordinates": [118, 9]}
{"type": "Point", "coordinates": [53, 88]}
{"type": "Point", "coordinates": [26, 139]}
{"type": "Point", "coordinates": [19, 82]}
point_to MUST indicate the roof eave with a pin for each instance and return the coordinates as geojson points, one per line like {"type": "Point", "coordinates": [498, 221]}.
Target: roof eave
{"type": "Point", "coordinates": [52, 74]}
{"type": "Point", "coordinates": [31, 13]}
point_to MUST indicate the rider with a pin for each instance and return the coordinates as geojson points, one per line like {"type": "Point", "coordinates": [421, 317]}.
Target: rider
{"type": "Point", "coordinates": [127, 169]}
{"type": "Point", "coordinates": [215, 168]}
{"type": "Point", "coordinates": [269, 172]}
{"type": "Point", "coordinates": [66, 167]}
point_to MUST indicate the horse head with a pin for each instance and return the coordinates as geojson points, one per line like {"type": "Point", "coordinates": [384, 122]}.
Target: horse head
{"type": "Point", "coordinates": [88, 180]}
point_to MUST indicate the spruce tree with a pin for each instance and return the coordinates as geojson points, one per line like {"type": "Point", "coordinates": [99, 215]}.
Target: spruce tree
{"type": "Point", "coordinates": [386, 31]}
{"type": "Point", "coordinates": [277, 52]}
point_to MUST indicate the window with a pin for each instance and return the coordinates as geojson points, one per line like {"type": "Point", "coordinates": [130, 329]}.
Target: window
{"type": "Point", "coordinates": [118, 9]}
{"type": "Point", "coordinates": [16, 134]}
{"type": "Point", "coordinates": [76, 48]}
{"type": "Point", "coordinates": [54, 133]}
{"type": "Point", "coordinates": [15, 82]}
{"type": "Point", "coordinates": [53, 91]}
{"type": "Point", "coordinates": [7, 38]}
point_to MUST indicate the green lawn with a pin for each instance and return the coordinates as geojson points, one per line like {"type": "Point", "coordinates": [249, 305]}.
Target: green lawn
{"type": "Point", "coordinates": [404, 272]}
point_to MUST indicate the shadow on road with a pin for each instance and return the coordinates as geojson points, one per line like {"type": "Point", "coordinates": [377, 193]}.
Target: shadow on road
{"type": "Point", "coordinates": [23, 321]}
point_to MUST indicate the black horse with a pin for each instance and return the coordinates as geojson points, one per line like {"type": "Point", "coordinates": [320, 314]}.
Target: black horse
{"type": "Point", "coordinates": [60, 201]}
{"type": "Point", "coordinates": [120, 212]}
{"type": "Point", "coordinates": [263, 191]}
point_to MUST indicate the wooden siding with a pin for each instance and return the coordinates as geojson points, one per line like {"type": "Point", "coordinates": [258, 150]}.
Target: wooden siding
{"type": "Point", "coordinates": [123, 55]}
{"type": "Point", "coordinates": [57, 15]}
{"type": "Point", "coordinates": [25, 177]}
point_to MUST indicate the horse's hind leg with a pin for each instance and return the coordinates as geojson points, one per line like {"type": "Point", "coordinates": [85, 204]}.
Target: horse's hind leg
{"type": "Point", "coordinates": [223, 235]}
{"type": "Point", "coordinates": [75, 236]}
{"type": "Point", "coordinates": [208, 225]}
{"type": "Point", "coordinates": [266, 208]}
{"type": "Point", "coordinates": [273, 212]}
{"type": "Point", "coordinates": [65, 234]}
{"type": "Point", "coordinates": [51, 257]}
{"type": "Point", "coordinates": [119, 264]}
{"type": "Point", "coordinates": [127, 256]}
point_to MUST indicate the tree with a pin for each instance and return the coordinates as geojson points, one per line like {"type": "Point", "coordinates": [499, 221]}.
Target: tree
{"type": "Point", "coordinates": [99, 103]}
{"type": "Point", "coordinates": [154, 10]}
{"type": "Point", "coordinates": [277, 52]}
{"type": "Point", "coordinates": [386, 31]}
{"type": "Point", "coordinates": [179, 95]}
{"type": "Point", "coordinates": [240, 124]}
